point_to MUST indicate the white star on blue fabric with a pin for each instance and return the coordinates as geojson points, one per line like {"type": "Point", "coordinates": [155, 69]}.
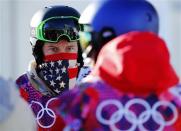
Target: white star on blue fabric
{"type": "Point", "coordinates": [62, 85]}
{"type": "Point", "coordinates": [59, 78]}
{"type": "Point", "coordinates": [57, 90]}
{"type": "Point", "coordinates": [57, 70]}
{"type": "Point", "coordinates": [60, 62]}
{"type": "Point", "coordinates": [63, 70]}
{"type": "Point", "coordinates": [51, 71]}
{"type": "Point", "coordinates": [52, 83]}
{"type": "Point", "coordinates": [52, 64]}
{"type": "Point", "coordinates": [45, 64]}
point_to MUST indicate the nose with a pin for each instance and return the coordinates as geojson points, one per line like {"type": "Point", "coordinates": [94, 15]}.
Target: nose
{"type": "Point", "coordinates": [62, 46]}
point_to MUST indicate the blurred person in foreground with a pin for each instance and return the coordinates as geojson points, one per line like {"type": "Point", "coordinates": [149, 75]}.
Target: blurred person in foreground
{"type": "Point", "coordinates": [133, 85]}
{"type": "Point", "coordinates": [15, 114]}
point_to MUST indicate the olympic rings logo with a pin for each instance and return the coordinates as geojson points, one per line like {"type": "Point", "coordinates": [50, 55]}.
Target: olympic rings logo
{"type": "Point", "coordinates": [130, 116]}
{"type": "Point", "coordinates": [44, 110]}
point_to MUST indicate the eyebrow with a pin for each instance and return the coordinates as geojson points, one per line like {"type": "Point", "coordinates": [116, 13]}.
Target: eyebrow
{"type": "Point", "coordinates": [51, 46]}
{"type": "Point", "coordinates": [72, 45]}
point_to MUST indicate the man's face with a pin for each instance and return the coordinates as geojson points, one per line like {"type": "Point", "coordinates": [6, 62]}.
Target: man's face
{"type": "Point", "coordinates": [60, 68]}
{"type": "Point", "coordinates": [63, 46]}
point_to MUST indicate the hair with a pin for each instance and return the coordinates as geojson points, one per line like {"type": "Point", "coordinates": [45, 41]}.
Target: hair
{"type": "Point", "coordinates": [38, 51]}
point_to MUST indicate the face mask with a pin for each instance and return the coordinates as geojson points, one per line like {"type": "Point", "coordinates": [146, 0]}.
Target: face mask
{"type": "Point", "coordinates": [59, 71]}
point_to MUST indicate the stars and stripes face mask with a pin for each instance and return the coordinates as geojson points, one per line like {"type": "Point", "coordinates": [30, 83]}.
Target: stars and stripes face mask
{"type": "Point", "coordinates": [59, 71]}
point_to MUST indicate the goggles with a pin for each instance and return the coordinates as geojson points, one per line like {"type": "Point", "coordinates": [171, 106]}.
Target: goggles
{"type": "Point", "coordinates": [54, 28]}
{"type": "Point", "coordinates": [88, 36]}
{"type": "Point", "coordinates": [85, 37]}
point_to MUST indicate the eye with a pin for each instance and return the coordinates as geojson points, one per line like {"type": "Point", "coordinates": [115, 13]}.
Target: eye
{"type": "Point", "coordinates": [53, 49]}
{"type": "Point", "coordinates": [71, 49]}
